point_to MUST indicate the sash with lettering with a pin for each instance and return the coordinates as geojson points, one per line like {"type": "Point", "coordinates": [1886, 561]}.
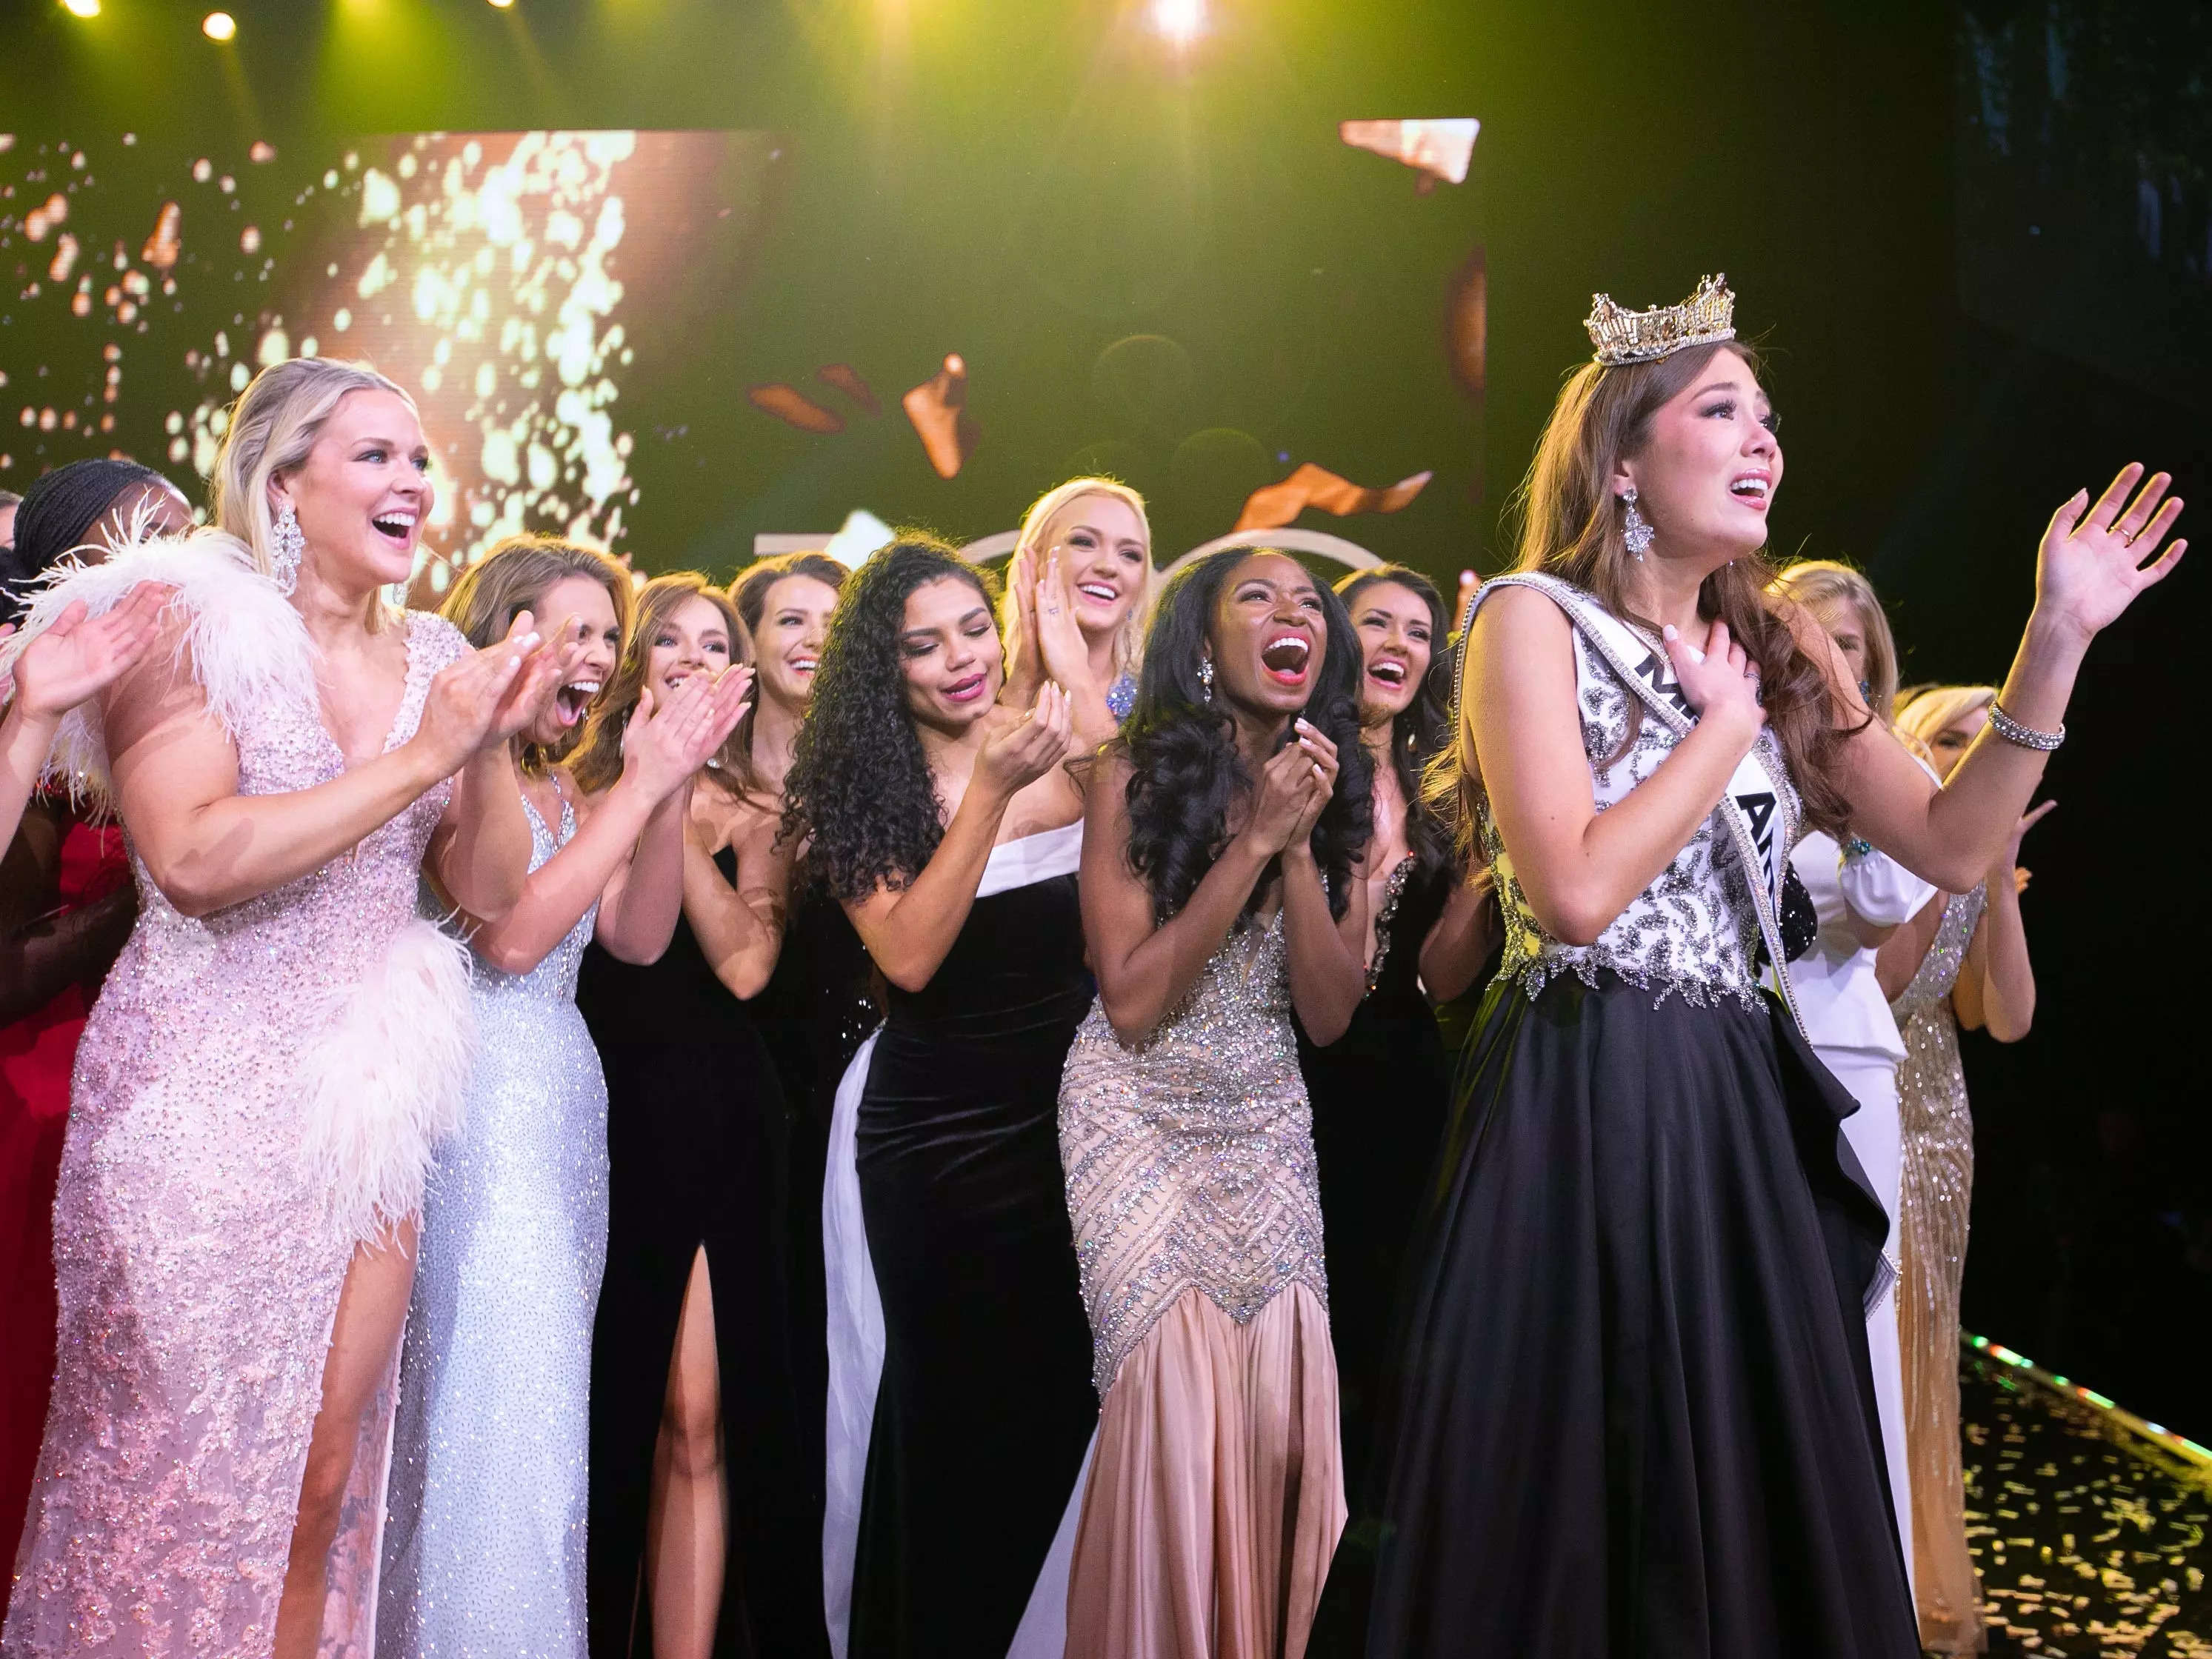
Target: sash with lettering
{"type": "Point", "coordinates": [1750, 809]}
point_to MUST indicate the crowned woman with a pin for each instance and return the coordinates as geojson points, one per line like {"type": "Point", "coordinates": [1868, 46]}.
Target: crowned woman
{"type": "Point", "coordinates": [1636, 1415]}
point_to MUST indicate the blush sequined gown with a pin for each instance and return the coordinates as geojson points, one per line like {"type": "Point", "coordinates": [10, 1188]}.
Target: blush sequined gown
{"type": "Point", "coordinates": [485, 1537]}
{"type": "Point", "coordinates": [1931, 1225]}
{"type": "Point", "coordinates": [199, 1259]}
{"type": "Point", "coordinates": [1216, 1492]}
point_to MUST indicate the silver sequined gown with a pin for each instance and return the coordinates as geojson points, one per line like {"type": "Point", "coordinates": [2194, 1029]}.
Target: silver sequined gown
{"type": "Point", "coordinates": [1217, 1492]}
{"type": "Point", "coordinates": [198, 1270]}
{"type": "Point", "coordinates": [1931, 1220]}
{"type": "Point", "coordinates": [484, 1545]}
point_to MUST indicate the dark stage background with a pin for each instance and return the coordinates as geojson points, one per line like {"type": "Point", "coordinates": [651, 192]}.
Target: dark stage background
{"type": "Point", "coordinates": [1976, 243]}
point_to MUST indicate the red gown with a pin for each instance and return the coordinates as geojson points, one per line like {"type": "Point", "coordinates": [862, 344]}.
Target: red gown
{"type": "Point", "coordinates": [36, 1053]}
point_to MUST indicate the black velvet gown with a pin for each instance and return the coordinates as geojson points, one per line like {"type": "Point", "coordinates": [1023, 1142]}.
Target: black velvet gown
{"type": "Point", "coordinates": [698, 1135]}
{"type": "Point", "coordinates": [1379, 1096]}
{"type": "Point", "coordinates": [985, 1405]}
{"type": "Point", "coordinates": [817, 1009]}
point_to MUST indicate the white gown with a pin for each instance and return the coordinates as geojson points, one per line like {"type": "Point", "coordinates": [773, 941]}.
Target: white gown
{"type": "Point", "coordinates": [1849, 1021]}
{"type": "Point", "coordinates": [483, 1549]}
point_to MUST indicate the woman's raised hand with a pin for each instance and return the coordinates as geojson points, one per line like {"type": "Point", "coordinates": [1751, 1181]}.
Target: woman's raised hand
{"type": "Point", "coordinates": [1025, 667]}
{"type": "Point", "coordinates": [73, 658]}
{"type": "Point", "coordinates": [462, 712]}
{"type": "Point", "coordinates": [2093, 563]}
{"type": "Point", "coordinates": [1288, 785]}
{"type": "Point", "coordinates": [1027, 745]}
{"type": "Point", "coordinates": [1059, 638]}
{"type": "Point", "coordinates": [1322, 756]}
{"type": "Point", "coordinates": [1721, 682]}
{"type": "Point", "coordinates": [670, 737]}
{"type": "Point", "coordinates": [551, 660]}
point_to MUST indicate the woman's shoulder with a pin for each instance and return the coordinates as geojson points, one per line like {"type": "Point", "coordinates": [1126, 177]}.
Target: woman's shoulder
{"type": "Point", "coordinates": [433, 640]}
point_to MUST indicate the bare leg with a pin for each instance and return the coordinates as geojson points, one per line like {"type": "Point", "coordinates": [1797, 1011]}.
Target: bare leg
{"type": "Point", "coordinates": [684, 1538]}
{"type": "Point", "coordinates": [371, 1313]}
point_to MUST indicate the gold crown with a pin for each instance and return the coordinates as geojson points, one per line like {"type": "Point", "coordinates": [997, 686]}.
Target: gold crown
{"type": "Point", "coordinates": [1641, 337]}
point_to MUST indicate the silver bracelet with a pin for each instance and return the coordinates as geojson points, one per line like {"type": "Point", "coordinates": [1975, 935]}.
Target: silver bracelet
{"type": "Point", "coordinates": [2026, 736]}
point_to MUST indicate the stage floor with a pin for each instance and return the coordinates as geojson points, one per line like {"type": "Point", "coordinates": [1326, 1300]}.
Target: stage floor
{"type": "Point", "coordinates": [2091, 1541]}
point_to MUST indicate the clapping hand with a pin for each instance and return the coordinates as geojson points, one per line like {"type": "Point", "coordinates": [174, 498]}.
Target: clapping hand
{"type": "Point", "coordinates": [670, 737]}
{"type": "Point", "coordinates": [1294, 786]}
{"type": "Point", "coordinates": [549, 664]}
{"type": "Point", "coordinates": [1027, 745]}
{"type": "Point", "coordinates": [2092, 564]}
{"type": "Point", "coordinates": [73, 658]}
{"type": "Point", "coordinates": [2010, 861]}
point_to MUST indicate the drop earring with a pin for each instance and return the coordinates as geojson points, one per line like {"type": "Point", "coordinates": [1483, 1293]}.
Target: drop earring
{"type": "Point", "coordinates": [286, 545]}
{"type": "Point", "coordinates": [1634, 530]}
{"type": "Point", "coordinates": [1206, 677]}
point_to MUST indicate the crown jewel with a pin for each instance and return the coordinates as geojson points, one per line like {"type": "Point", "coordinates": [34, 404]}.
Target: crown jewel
{"type": "Point", "coordinates": [1643, 337]}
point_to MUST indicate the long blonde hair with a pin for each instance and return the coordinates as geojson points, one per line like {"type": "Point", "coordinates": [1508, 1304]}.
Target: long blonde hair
{"type": "Point", "coordinates": [1818, 583]}
{"type": "Point", "coordinates": [1927, 709]}
{"type": "Point", "coordinates": [598, 758]}
{"type": "Point", "coordinates": [1129, 638]}
{"type": "Point", "coordinates": [273, 427]}
{"type": "Point", "coordinates": [514, 576]}
{"type": "Point", "coordinates": [1571, 527]}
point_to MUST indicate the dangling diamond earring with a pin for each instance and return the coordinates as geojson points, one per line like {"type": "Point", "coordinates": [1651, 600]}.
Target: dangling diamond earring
{"type": "Point", "coordinates": [1205, 676]}
{"type": "Point", "coordinates": [288, 544]}
{"type": "Point", "coordinates": [1635, 533]}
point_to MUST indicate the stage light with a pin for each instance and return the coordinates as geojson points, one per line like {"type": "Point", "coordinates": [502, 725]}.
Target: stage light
{"type": "Point", "coordinates": [219, 25]}
{"type": "Point", "coordinates": [500, 5]}
{"type": "Point", "coordinates": [1180, 20]}
{"type": "Point", "coordinates": [82, 7]}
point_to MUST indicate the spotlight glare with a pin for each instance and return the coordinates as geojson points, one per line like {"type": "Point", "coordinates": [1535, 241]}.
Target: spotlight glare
{"type": "Point", "coordinates": [1180, 20]}
{"type": "Point", "coordinates": [219, 25]}
{"type": "Point", "coordinates": [500, 5]}
{"type": "Point", "coordinates": [82, 7]}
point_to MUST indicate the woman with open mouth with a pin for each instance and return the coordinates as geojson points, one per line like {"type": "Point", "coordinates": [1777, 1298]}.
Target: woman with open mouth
{"type": "Point", "coordinates": [487, 1508]}
{"type": "Point", "coordinates": [945, 825]}
{"type": "Point", "coordinates": [1084, 557]}
{"type": "Point", "coordinates": [1634, 1410]}
{"type": "Point", "coordinates": [1220, 893]}
{"type": "Point", "coordinates": [1380, 1091]}
{"type": "Point", "coordinates": [702, 1537]}
{"type": "Point", "coordinates": [280, 1046]}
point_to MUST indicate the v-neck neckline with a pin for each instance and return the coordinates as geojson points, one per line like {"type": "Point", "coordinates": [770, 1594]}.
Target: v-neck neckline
{"type": "Point", "coordinates": [392, 738]}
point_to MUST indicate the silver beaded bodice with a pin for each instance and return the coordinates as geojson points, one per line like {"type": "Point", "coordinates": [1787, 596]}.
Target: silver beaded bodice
{"type": "Point", "coordinates": [1189, 1157]}
{"type": "Point", "coordinates": [555, 976]}
{"type": "Point", "coordinates": [1695, 930]}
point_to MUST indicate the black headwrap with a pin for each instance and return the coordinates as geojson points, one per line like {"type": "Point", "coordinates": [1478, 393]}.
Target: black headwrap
{"type": "Point", "coordinates": [57, 514]}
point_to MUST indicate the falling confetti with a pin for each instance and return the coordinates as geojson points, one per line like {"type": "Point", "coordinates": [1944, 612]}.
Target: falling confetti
{"type": "Point", "coordinates": [1278, 504]}
{"type": "Point", "coordinates": [1437, 150]}
{"type": "Point", "coordinates": [166, 241]}
{"type": "Point", "coordinates": [938, 409]}
{"type": "Point", "coordinates": [846, 378]}
{"type": "Point", "coordinates": [795, 407]}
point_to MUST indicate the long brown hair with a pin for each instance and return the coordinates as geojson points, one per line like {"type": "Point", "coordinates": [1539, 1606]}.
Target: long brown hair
{"type": "Point", "coordinates": [749, 593]}
{"type": "Point", "coordinates": [1818, 583]}
{"type": "Point", "coordinates": [1571, 528]}
{"type": "Point", "coordinates": [598, 761]}
{"type": "Point", "coordinates": [515, 576]}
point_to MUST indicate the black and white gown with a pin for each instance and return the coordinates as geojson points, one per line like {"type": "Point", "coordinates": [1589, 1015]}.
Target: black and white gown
{"type": "Point", "coordinates": [960, 1398]}
{"type": "Point", "coordinates": [1634, 1415]}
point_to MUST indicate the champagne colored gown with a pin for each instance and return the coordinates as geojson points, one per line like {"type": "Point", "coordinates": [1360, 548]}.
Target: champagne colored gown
{"type": "Point", "coordinates": [1216, 1489]}
{"type": "Point", "coordinates": [1932, 1216]}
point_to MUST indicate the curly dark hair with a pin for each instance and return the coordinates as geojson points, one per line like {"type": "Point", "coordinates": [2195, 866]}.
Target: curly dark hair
{"type": "Point", "coordinates": [859, 783]}
{"type": "Point", "coordinates": [1181, 747]}
{"type": "Point", "coordinates": [1423, 728]}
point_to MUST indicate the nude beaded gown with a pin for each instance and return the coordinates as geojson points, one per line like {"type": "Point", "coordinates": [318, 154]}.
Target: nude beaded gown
{"type": "Point", "coordinates": [1216, 1491]}
{"type": "Point", "coordinates": [1931, 1218]}
{"type": "Point", "coordinates": [199, 1255]}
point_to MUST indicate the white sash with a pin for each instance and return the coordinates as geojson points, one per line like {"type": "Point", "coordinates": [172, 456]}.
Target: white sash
{"type": "Point", "coordinates": [1750, 808]}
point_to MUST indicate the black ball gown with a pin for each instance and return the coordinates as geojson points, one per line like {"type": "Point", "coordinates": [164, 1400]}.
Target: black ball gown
{"type": "Point", "coordinates": [985, 1405]}
{"type": "Point", "coordinates": [698, 1135]}
{"type": "Point", "coordinates": [1634, 1413]}
{"type": "Point", "coordinates": [1379, 1095]}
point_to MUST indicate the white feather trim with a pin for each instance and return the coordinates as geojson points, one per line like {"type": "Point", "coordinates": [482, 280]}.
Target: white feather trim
{"type": "Point", "coordinates": [245, 644]}
{"type": "Point", "coordinates": [387, 1082]}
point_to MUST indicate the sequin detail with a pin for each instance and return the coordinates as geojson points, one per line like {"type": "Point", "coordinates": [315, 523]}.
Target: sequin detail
{"type": "Point", "coordinates": [486, 1532]}
{"type": "Point", "coordinates": [1189, 1158]}
{"type": "Point", "coordinates": [198, 1275]}
{"type": "Point", "coordinates": [1936, 1193]}
{"type": "Point", "coordinates": [1694, 932]}
{"type": "Point", "coordinates": [1122, 697]}
{"type": "Point", "coordinates": [1394, 891]}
